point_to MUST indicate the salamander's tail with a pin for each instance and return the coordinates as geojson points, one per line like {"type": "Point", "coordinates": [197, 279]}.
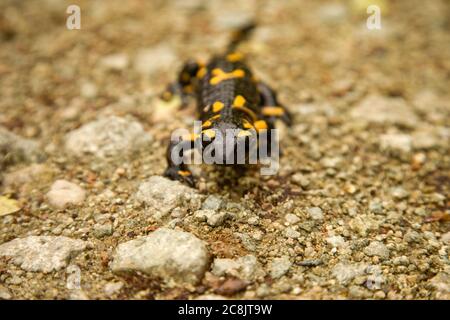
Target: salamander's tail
{"type": "Point", "coordinates": [240, 35]}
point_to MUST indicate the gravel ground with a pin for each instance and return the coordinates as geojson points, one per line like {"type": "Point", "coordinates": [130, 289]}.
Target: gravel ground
{"type": "Point", "coordinates": [358, 210]}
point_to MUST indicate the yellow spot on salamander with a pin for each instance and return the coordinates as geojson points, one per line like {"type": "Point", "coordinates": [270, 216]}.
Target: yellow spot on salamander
{"type": "Point", "coordinates": [239, 101]}
{"type": "Point", "coordinates": [260, 125]}
{"type": "Point", "coordinates": [217, 116]}
{"type": "Point", "coordinates": [217, 106]}
{"type": "Point", "coordinates": [209, 133]}
{"type": "Point", "coordinates": [219, 75]}
{"type": "Point", "coordinates": [201, 72]}
{"type": "Point", "coordinates": [244, 133]}
{"type": "Point", "coordinates": [273, 111]}
{"type": "Point", "coordinates": [247, 125]}
{"type": "Point", "coordinates": [184, 173]}
{"type": "Point", "coordinates": [235, 56]}
{"type": "Point", "coordinates": [206, 124]}
{"type": "Point", "coordinates": [190, 137]}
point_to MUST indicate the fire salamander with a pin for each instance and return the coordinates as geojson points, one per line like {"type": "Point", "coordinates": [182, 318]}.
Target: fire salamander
{"type": "Point", "coordinates": [228, 97]}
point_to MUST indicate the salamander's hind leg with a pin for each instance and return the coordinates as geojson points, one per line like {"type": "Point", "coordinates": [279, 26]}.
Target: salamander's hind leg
{"type": "Point", "coordinates": [270, 107]}
{"type": "Point", "coordinates": [177, 170]}
{"type": "Point", "coordinates": [184, 85]}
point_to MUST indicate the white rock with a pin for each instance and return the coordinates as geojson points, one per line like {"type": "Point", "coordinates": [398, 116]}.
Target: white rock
{"type": "Point", "coordinates": [42, 253]}
{"type": "Point", "coordinates": [246, 267]}
{"type": "Point", "coordinates": [232, 19]}
{"type": "Point", "coordinates": [4, 293]}
{"type": "Point", "coordinates": [291, 218]}
{"type": "Point", "coordinates": [175, 256]}
{"type": "Point", "coordinates": [424, 140]}
{"type": "Point", "coordinates": [382, 110]}
{"type": "Point", "coordinates": [290, 232]}
{"type": "Point", "coordinates": [63, 192]}
{"type": "Point", "coordinates": [107, 137]}
{"type": "Point", "coordinates": [396, 142]}
{"type": "Point", "coordinates": [332, 12]}
{"type": "Point", "coordinates": [336, 241]}
{"type": "Point", "coordinates": [445, 238]}
{"type": "Point", "coordinates": [331, 162]}
{"type": "Point", "coordinates": [164, 195]}
{"type": "Point", "coordinates": [345, 272]}
{"type": "Point", "coordinates": [88, 90]}
{"type": "Point", "coordinates": [213, 218]}
{"type": "Point", "coordinates": [315, 213]}
{"type": "Point", "coordinates": [376, 248]}
{"type": "Point", "coordinates": [112, 288]}
{"type": "Point", "coordinates": [441, 282]}
{"type": "Point", "coordinates": [117, 61]}
{"type": "Point", "coordinates": [399, 193]}
{"type": "Point", "coordinates": [301, 180]}
{"type": "Point", "coordinates": [212, 203]}
{"type": "Point", "coordinates": [153, 60]}
{"type": "Point", "coordinates": [280, 266]}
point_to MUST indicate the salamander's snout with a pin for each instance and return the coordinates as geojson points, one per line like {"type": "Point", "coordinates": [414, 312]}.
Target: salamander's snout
{"type": "Point", "coordinates": [229, 142]}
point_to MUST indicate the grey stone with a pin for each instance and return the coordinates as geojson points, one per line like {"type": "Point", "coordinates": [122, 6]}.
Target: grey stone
{"type": "Point", "coordinates": [4, 293]}
{"type": "Point", "coordinates": [376, 248]}
{"type": "Point", "coordinates": [42, 253]}
{"type": "Point", "coordinates": [315, 213]}
{"type": "Point", "coordinates": [107, 137]}
{"type": "Point", "coordinates": [445, 238]}
{"type": "Point", "coordinates": [116, 61]}
{"type": "Point", "coordinates": [301, 180]}
{"type": "Point", "coordinates": [383, 110]}
{"type": "Point", "coordinates": [376, 206]}
{"type": "Point", "coordinates": [291, 218]}
{"type": "Point", "coordinates": [150, 61]}
{"type": "Point", "coordinates": [212, 218]}
{"type": "Point", "coordinates": [280, 266]}
{"type": "Point", "coordinates": [291, 233]}
{"type": "Point", "coordinates": [103, 230]}
{"type": "Point", "coordinates": [399, 193]}
{"type": "Point", "coordinates": [112, 288]}
{"type": "Point", "coordinates": [396, 142]}
{"type": "Point", "coordinates": [175, 256]}
{"type": "Point", "coordinates": [163, 195]}
{"type": "Point", "coordinates": [346, 272]}
{"type": "Point", "coordinates": [336, 241]}
{"type": "Point", "coordinates": [411, 236]}
{"type": "Point", "coordinates": [212, 203]}
{"type": "Point", "coordinates": [63, 192]}
{"type": "Point", "coordinates": [246, 267]}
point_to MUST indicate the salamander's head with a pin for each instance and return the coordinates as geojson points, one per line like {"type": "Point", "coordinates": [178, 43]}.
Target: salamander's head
{"type": "Point", "coordinates": [230, 138]}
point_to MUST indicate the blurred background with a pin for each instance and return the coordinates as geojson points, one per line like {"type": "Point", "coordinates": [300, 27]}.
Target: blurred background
{"type": "Point", "coordinates": [363, 181]}
{"type": "Point", "coordinates": [308, 50]}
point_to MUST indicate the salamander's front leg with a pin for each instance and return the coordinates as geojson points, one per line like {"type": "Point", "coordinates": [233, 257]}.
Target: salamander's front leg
{"type": "Point", "coordinates": [270, 107]}
{"type": "Point", "coordinates": [184, 85]}
{"type": "Point", "coordinates": [176, 169]}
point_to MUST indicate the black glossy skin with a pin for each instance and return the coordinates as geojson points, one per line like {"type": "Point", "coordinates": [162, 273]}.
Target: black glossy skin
{"type": "Point", "coordinates": [195, 80]}
{"type": "Point", "coordinates": [227, 90]}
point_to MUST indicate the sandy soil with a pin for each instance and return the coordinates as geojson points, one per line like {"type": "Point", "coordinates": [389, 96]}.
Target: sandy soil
{"type": "Point", "coordinates": [359, 208]}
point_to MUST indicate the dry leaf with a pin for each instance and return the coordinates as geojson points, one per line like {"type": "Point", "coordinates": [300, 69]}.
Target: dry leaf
{"type": "Point", "coordinates": [8, 206]}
